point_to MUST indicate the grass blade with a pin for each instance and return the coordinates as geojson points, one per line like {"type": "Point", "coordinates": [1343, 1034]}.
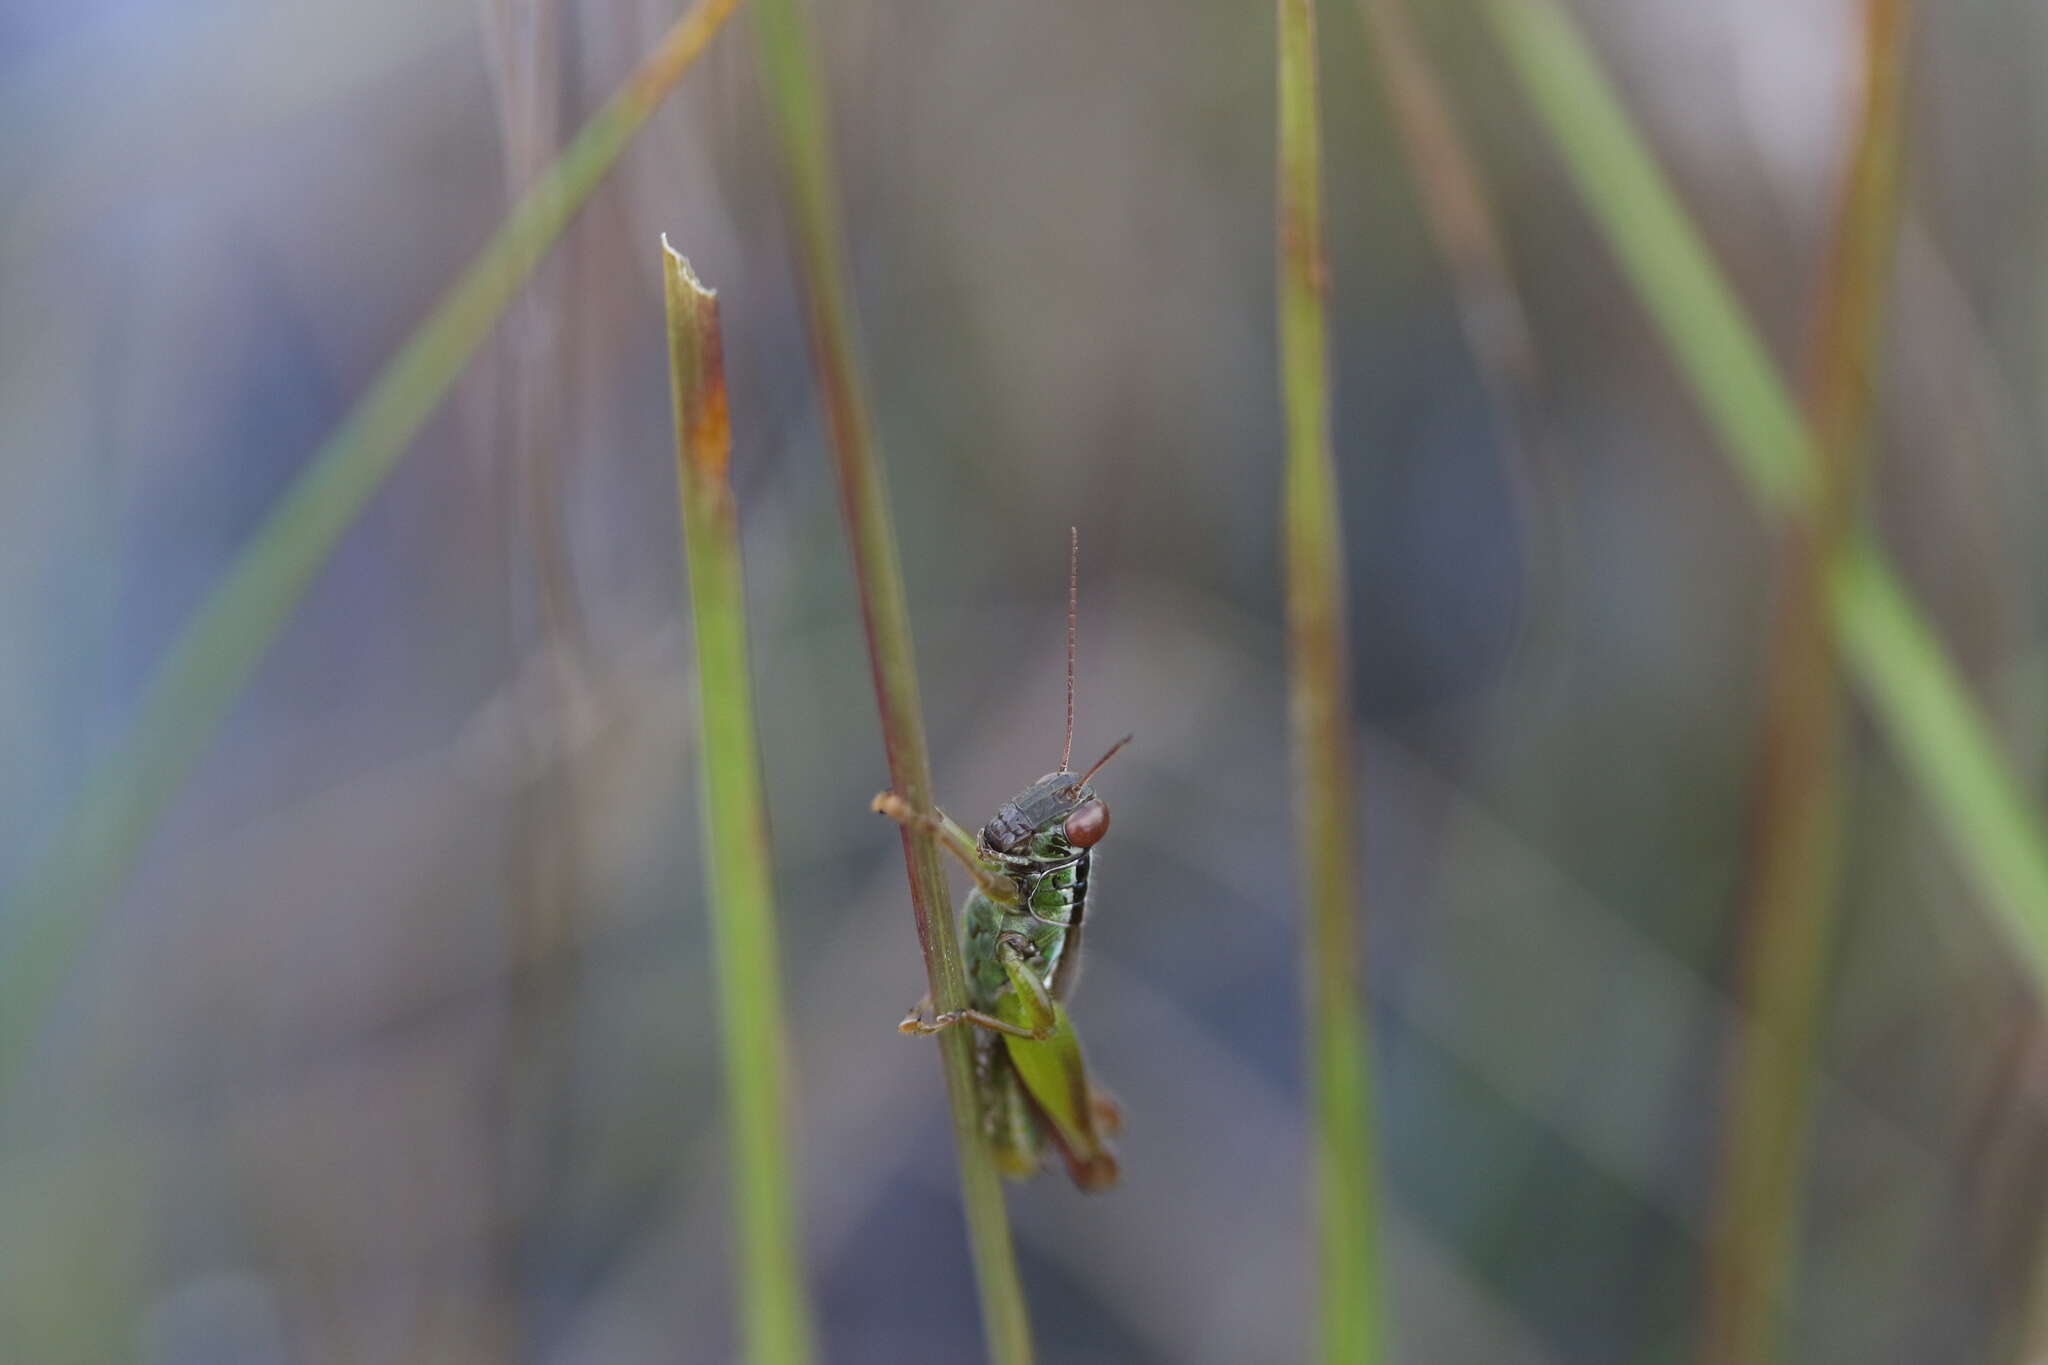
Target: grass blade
{"type": "Point", "coordinates": [775, 1308]}
{"type": "Point", "coordinates": [1788, 924]}
{"type": "Point", "coordinates": [1759, 424]}
{"type": "Point", "coordinates": [52, 910]}
{"type": "Point", "coordinates": [1456, 207]}
{"type": "Point", "coordinates": [1888, 647]}
{"type": "Point", "coordinates": [790, 75]}
{"type": "Point", "coordinates": [1465, 230]}
{"type": "Point", "coordinates": [1910, 683]}
{"type": "Point", "coordinates": [1345, 1194]}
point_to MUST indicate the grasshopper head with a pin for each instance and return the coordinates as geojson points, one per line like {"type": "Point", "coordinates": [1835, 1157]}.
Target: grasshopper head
{"type": "Point", "coordinates": [1057, 800]}
{"type": "Point", "coordinates": [1053, 800]}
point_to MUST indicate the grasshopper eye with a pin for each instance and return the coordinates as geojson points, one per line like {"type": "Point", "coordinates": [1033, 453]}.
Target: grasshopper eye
{"type": "Point", "coordinates": [1088, 823]}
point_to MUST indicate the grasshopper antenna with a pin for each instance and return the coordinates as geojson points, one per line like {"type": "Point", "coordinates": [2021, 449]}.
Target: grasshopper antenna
{"type": "Point", "coordinates": [1104, 759]}
{"type": "Point", "coordinates": [1073, 601]}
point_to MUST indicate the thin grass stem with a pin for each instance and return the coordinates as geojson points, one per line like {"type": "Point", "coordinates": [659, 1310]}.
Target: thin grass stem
{"type": "Point", "coordinates": [774, 1306]}
{"type": "Point", "coordinates": [790, 74]}
{"type": "Point", "coordinates": [1465, 229]}
{"type": "Point", "coordinates": [1788, 924]}
{"type": "Point", "coordinates": [1456, 206]}
{"type": "Point", "coordinates": [1345, 1167]}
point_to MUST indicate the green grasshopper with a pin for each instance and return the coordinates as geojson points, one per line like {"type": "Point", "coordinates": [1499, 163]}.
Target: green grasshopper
{"type": "Point", "coordinates": [1022, 930]}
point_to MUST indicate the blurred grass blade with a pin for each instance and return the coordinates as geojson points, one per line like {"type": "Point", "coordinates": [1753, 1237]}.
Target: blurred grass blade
{"type": "Point", "coordinates": [1464, 227]}
{"type": "Point", "coordinates": [51, 911]}
{"type": "Point", "coordinates": [775, 1308]}
{"type": "Point", "coordinates": [1787, 928]}
{"type": "Point", "coordinates": [790, 75]}
{"type": "Point", "coordinates": [1888, 646]}
{"type": "Point", "coordinates": [1345, 1194]}
{"type": "Point", "coordinates": [1910, 683]}
{"type": "Point", "coordinates": [1461, 219]}
{"type": "Point", "coordinates": [1758, 421]}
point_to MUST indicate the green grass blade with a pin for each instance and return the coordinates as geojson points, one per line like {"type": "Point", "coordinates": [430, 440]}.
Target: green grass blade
{"type": "Point", "coordinates": [1755, 416]}
{"type": "Point", "coordinates": [1345, 1194]}
{"type": "Point", "coordinates": [774, 1306]}
{"type": "Point", "coordinates": [52, 910]}
{"type": "Point", "coordinates": [1889, 648]}
{"type": "Point", "coordinates": [790, 76]}
{"type": "Point", "coordinates": [1912, 686]}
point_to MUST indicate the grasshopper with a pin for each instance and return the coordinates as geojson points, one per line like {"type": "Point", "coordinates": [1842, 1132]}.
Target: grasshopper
{"type": "Point", "coordinates": [1021, 928]}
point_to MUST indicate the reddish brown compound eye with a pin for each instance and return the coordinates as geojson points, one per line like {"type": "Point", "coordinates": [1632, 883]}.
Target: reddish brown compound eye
{"type": "Point", "coordinates": [1088, 823]}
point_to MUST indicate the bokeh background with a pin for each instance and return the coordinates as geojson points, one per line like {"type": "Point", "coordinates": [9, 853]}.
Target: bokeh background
{"type": "Point", "coordinates": [400, 1045]}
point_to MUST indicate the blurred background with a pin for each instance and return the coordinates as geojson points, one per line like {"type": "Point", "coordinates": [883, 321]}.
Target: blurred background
{"type": "Point", "coordinates": [399, 1046]}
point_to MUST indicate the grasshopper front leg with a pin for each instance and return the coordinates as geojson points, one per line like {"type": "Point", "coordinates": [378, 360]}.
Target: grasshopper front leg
{"type": "Point", "coordinates": [954, 839]}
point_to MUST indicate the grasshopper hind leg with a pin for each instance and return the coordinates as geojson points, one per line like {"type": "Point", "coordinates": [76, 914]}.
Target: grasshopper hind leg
{"type": "Point", "coordinates": [1010, 1121]}
{"type": "Point", "coordinates": [920, 1020]}
{"type": "Point", "coordinates": [1108, 1114]}
{"type": "Point", "coordinates": [1037, 1013]}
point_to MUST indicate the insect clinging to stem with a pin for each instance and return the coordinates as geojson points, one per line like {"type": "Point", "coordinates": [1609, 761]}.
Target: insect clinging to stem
{"type": "Point", "coordinates": [1021, 926]}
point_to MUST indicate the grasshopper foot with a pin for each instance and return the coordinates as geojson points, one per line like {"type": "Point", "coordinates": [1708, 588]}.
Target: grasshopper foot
{"type": "Point", "coordinates": [896, 808]}
{"type": "Point", "coordinates": [916, 1023]}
